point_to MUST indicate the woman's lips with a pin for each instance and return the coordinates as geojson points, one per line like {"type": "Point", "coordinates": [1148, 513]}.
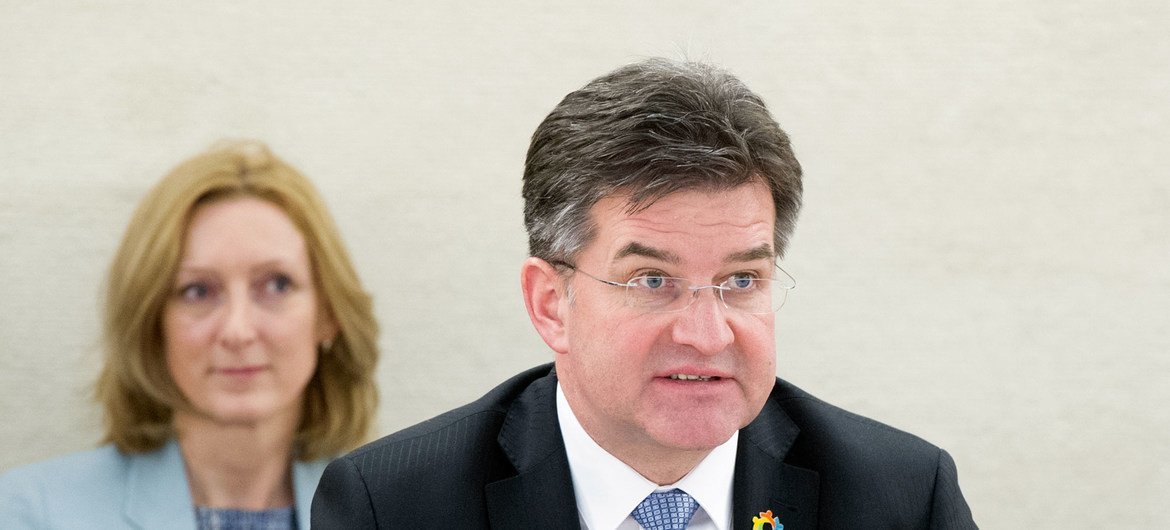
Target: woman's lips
{"type": "Point", "coordinates": [241, 371]}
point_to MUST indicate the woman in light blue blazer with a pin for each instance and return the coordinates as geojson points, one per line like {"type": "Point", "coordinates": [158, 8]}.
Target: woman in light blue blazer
{"type": "Point", "coordinates": [240, 348]}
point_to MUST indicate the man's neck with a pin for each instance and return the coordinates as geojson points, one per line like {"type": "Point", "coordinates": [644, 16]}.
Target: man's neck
{"type": "Point", "coordinates": [658, 464]}
{"type": "Point", "coordinates": [607, 488]}
{"type": "Point", "coordinates": [658, 467]}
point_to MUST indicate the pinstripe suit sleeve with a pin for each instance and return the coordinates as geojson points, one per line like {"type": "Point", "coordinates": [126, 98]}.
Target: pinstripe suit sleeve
{"type": "Point", "coordinates": [342, 499]}
{"type": "Point", "coordinates": [949, 509]}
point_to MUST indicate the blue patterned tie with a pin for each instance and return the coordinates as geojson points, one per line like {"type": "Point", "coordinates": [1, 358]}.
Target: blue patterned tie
{"type": "Point", "coordinates": [665, 510]}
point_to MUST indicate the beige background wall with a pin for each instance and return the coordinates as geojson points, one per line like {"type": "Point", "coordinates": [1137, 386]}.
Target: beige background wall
{"type": "Point", "coordinates": [982, 256]}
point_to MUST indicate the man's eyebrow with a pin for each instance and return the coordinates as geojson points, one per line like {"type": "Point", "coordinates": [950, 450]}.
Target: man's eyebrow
{"type": "Point", "coordinates": [635, 248]}
{"type": "Point", "coordinates": [761, 252]}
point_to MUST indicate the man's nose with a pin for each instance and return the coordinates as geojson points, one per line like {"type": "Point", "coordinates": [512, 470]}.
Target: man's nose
{"type": "Point", "coordinates": [703, 324]}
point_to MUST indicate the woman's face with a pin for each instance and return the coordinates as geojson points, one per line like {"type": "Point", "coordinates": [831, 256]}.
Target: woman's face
{"type": "Point", "coordinates": [243, 322]}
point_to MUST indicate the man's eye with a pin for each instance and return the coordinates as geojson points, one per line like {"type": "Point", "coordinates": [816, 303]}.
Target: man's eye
{"type": "Point", "coordinates": [741, 281]}
{"type": "Point", "coordinates": [653, 282]}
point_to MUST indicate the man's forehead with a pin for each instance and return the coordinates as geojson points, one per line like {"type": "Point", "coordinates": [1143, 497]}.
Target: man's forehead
{"type": "Point", "coordinates": [633, 200]}
{"type": "Point", "coordinates": [746, 206]}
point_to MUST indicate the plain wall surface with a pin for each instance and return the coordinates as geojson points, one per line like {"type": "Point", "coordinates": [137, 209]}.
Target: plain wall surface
{"type": "Point", "coordinates": [981, 258]}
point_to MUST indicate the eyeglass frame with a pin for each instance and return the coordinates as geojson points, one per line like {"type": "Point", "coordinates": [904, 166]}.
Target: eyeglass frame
{"type": "Point", "coordinates": [694, 289]}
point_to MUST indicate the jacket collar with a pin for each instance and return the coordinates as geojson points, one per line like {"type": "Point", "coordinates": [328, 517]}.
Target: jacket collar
{"type": "Point", "coordinates": [157, 494]}
{"type": "Point", "coordinates": [764, 482]}
{"type": "Point", "coordinates": [540, 495]}
{"type": "Point", "coordinates": [306, 475]}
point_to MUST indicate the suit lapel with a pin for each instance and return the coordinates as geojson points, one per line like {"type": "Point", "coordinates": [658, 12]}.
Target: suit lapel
{"type": "Point", "coordinates": [157, 495]}
{"type": "Point", "coordinates": [764, 482]}
{"type": "Point", "coordinates": [540, 495]}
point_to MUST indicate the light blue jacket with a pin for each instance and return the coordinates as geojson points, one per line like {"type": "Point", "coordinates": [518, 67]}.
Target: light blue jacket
{"type": "Point", "coordinates": [104, 488]}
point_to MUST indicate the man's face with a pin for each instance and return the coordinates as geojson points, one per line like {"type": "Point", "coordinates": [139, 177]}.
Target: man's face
{"type": "Point", "coordinates": [618, 361]}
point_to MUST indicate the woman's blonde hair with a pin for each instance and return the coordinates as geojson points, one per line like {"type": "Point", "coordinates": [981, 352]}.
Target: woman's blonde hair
{"type": "Point", "coordinates": [135, 387]}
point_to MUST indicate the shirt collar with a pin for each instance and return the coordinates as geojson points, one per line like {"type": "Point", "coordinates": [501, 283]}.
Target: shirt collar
{"type": "Point", "coordinates": [607, 489]}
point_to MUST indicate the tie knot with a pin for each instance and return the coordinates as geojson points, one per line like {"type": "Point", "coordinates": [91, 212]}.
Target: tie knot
{"type": "Point", "coordinates": [665, 510]}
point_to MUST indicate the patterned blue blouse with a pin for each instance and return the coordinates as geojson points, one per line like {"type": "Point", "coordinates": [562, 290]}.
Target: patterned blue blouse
{"type": "Point", "coordinates": [228, 519]}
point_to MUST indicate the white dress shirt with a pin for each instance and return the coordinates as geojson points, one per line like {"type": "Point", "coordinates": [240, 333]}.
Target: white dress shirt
{"type": "Point", "coordinates": [607, 490]}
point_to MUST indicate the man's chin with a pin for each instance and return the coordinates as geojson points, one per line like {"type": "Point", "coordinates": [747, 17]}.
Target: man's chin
{"type": "Point", "coordinates": [699, 426]}
{"type": "Point", "coordinates": [693, 436]}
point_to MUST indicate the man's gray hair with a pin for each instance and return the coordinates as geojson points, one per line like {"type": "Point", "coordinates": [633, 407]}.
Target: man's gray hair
{"type": "Point", "coordinates": [645, 131]}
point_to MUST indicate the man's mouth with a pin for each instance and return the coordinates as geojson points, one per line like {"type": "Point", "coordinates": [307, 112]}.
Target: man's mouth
{"type": "Point", "coordinates": [689, 377]}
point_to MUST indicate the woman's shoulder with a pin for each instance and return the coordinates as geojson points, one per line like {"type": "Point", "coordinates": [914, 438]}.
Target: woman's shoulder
{"type": "Point", "coordinates": [100, 464]}
{"type": "Point", "coordinates": [64, 490]}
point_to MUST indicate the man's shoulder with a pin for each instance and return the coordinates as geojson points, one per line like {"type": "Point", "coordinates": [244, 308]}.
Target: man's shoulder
{"type": "Point", "coordinates": [868, 473]}
{"type": "Point", "coordinates": [463, 434]}
{"type": "Point", "coordinates": [444, 465]}
{"type": "Point", "coordinates": [847, 436]}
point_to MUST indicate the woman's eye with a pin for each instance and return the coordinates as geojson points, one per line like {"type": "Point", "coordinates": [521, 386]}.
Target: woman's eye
{"type": "Point", "coordinates": [195, 292]}
{"type": "Point", "coordinates": [278, 284]}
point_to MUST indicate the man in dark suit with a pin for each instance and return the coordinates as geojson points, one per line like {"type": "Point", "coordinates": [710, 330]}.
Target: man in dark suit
{"type": "Point", "coordinates": [658, 200]}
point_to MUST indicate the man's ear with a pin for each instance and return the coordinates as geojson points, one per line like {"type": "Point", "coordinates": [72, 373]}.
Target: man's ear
{"type": "Point", "coordinates": [543, 292]}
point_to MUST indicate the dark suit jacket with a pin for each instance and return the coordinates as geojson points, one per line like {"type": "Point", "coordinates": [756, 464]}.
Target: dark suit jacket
{"type": "Point", "coordinates": [499, 462]}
